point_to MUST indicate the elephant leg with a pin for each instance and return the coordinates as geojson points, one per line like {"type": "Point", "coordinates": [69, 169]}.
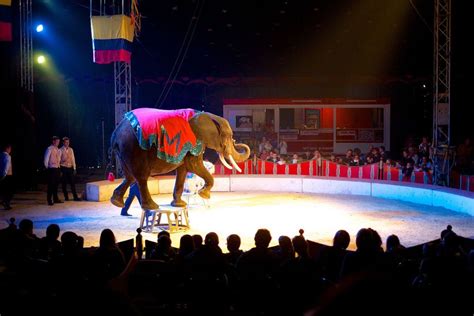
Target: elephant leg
{"type": "Point", "coordinates": [196, 166]}
{"type": "Point", "coordinates": [147, 202]}
{"type": "Point", "coordinates": [117, 196]}
{"type": "Point", "coordinates": [179, 186]}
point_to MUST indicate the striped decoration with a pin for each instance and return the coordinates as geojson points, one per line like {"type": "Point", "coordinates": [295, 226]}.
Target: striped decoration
{"type": "Point", "coordinates": [112, 38]}
{"type": "Point", "coordinates": [5, 21]}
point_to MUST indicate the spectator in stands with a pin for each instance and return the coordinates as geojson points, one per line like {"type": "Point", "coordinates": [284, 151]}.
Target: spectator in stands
{"type": "Point", "coordinates": [264, 155]}
{"type": "Point", "coordinates": [369, 159]}
{"type": "Point", "coordinates": [348, 158]}
{"type": "Point", "coordinates": [307, 156]}
{"type": "Point", "coordinates": [50, 246]}
{"type": "Point", "coordinates": [406, 159]}
{"type": "Point", "coordinates": [332, 257]}
{"type": "Point", "coordinates": [426, 164]}
{"type": "Point", "coordinates": [316, 155]}
{"type": "Point", "coordinates": [295, 159]}
{"type": "Point", "coordinates": [282, 160]}
{"type": "Point", "coordinates": [108, 261]}
{"type": "Point", "coordinates": [408, 170]}
{"type": "Point", "coordinates": [333, 158]}
{"type": "Point", "coordinates": [413, 154]}
{"type": "Point", "coordinates": [285, 250]}
{"type": "Point", "coordinates": [268, 146]}
{"type": "Point", "coordinates": [273, 157]}
{"type": "Point", "coordinates": [383, 154]}
{"type": "Point", "coordinates": [262, 144]}
{"type": "Point", "coordinates": [283, 147]}
{"type": "Point", "coordinates": [233, 246]}
{"type": "Point", "coordinates": [424, 147]}
{"type": "Point", "coordinates": [356, 161]}
{"type": "Point", "coordinates": [375, 155]}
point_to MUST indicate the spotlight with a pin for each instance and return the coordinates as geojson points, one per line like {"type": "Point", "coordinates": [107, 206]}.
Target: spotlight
{"type": "Point", "coordinates": [41, 59]}
{"type": "Point", "coordinates": [424, 86]}
{"type": "Point", "coordinates": [39, 28]}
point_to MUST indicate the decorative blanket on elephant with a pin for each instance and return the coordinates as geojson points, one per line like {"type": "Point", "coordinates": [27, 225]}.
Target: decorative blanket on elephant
{"type": "Point", "coordinates": [169, 131]}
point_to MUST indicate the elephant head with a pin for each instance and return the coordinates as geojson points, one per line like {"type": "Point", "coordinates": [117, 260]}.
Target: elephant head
{"type": "Point", "coordinates": [215, 133]}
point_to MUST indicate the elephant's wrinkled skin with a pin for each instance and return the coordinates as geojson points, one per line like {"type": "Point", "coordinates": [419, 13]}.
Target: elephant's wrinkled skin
{"type": "Point", "coordinates": [138, 164]}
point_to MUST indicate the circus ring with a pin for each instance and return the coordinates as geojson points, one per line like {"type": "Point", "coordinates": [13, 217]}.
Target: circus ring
{"type": "Point", "coordinates": [241, 204]}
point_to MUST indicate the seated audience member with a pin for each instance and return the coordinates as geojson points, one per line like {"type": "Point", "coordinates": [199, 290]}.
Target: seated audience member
{"type": "Point", "coordinates": [285, 250]}
{"type": "Point", "coordinates": [300, 277]}
{"type": "Point", "coordinates": [264, 155]}
{"type": "Point", "coordinates": [233, 246]}
{"type": "Point", "coordinates": [375, 155]}
{"type": "Point", "coordinates": [332, 158]}
{"type": "Point", "coordinates": [384, 155]}
{"type": "Point", "coordinates": [348, 158]}
{"type": "Point", "coordinates": [259, 262]}
{"type": "Point", "coordinates": [25, 244]}
{"type": "Point", "coordinates": [295, 159]}
{"type": "Point", "coordinates": [273, 157]}
{"type": "Point", "coordinates": [332, 257]}
{"type": "Point", "coordinates": [163, 249]}
{"type": "Point", "coordinates": [50, 246]}
{"type": "Point", "coordinates": [307, 156]}
{"type": "Point", "coordinates": [108, 261]}
{"type": "Point", "coordinates": [356, 161]}
{"type": "Point", "coordinates": [197, 241]}
{"type": "Point", "coordinates": [395, 250]}
{"type": "Point", "coordinates": [316, 155]}
{"type": "Point", "coordinates": [282, 161]}
{"type": "Point", "coordinates": [426, 164]}
{"type": "Point", "coordinates": [407, 170]}
{"type": "Point", "coordinates": [406, 159]}
{"type": "Point", "coordinates": [186, 247]}
{"type": "Point", "coordinates": [369, 256]}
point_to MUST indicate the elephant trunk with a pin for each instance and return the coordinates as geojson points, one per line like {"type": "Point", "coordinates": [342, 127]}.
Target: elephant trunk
{"type": "Point", "coordinates": [237, 156]}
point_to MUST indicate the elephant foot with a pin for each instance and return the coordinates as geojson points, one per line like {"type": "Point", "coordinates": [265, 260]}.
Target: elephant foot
{"type": "Point", "coordinates": [149, 205]}
{"type": "Point", "coordinates": [117, 201]}
{"type": "Point", "coordinates": [178, 203]}
{"type": "Point", "coordinates": [205, 193]}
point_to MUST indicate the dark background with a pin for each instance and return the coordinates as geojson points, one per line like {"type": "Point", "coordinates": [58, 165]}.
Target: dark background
{"type": "Point", "coordinates": [238, 49]}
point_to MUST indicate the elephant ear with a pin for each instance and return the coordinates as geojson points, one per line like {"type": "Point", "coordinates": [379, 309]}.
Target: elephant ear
{"type": "Point", "coordinates": [218, 126]}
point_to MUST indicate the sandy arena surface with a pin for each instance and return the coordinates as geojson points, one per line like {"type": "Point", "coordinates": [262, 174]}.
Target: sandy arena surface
{"type": "Point", "coordinates": [243, 213]}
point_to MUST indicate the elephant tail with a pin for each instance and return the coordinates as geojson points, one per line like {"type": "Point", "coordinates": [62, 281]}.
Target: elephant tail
{"type": "Point", "coordinates": [111, 154]}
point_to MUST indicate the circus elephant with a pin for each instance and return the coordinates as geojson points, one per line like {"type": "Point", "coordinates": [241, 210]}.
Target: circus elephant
{"type": "Point", "coordinates": [151, 141]}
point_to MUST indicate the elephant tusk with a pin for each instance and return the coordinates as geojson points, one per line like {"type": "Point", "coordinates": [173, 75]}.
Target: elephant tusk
{"type": "Point", "coordinates": [236, 167]}
{"type": "Point", "coordinates": [224, 162]}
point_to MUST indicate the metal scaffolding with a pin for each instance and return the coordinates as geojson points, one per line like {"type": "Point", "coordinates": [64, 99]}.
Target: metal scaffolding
{"type": "Point", "coordinates": [443, 157]}
{"type": "Point", "coordinates": [26, 45]}
{"type": "Point", "coordinates": [123, 89]}
{"type": "Point", "coordinates": [442, 73]}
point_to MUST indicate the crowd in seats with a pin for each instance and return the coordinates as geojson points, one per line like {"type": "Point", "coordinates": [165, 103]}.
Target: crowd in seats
{"type": "Point", "coordinates": [57, 275]}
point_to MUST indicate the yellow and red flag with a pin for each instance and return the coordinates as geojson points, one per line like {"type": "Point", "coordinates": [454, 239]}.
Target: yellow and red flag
{"type": "Point", "coordinates": [5, 20]}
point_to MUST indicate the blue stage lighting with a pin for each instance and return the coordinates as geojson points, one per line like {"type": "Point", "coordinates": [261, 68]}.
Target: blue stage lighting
{"type": "Point", "coordinates": [39, 28]}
